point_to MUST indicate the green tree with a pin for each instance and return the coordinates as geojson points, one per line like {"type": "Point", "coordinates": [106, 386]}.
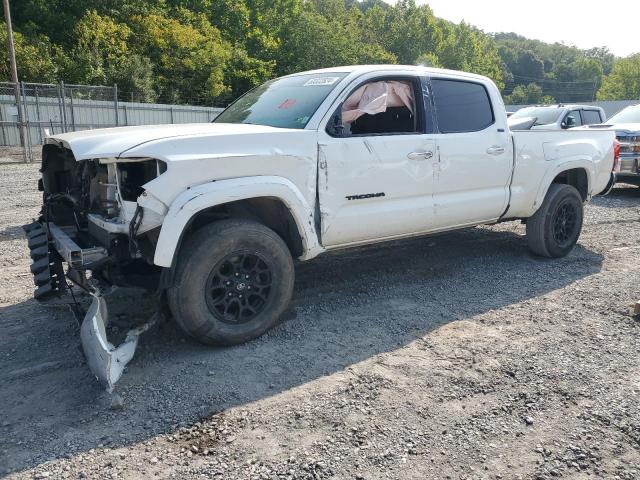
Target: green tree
{"type": "Point", "coordinates": [315, 41]}
{"type": "Point", "coordinates": [528, 95]}
{"type": "Point", "coordinates": [103, 55]}
{"type": "Point", "coordinates": [469, 49]}
{"type": "Point", "coordinates": [623, 83]}
{"type": "Point", "coordinates": [38, 59]}
{"type": "Point", "coordinates": [189, 56]}
{"type": "Point", "coordinates": [409, 31]}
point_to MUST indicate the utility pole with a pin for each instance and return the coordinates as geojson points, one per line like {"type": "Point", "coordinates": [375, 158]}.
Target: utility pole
{"type": "Point", "coordinates": [14, 70]}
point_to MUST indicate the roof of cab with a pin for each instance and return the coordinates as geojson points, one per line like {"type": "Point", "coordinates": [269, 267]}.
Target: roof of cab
{"type": "Point", "coordinates": [362, 69]}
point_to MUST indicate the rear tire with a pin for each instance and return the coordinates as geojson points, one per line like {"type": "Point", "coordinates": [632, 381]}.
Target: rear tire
{"type": "Point", "coordinates": [233, 280]}
{"type": "Point", "coordinates": [554, 229]}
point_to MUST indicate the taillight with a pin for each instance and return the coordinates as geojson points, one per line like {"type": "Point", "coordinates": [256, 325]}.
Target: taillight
{"type": "Point", "coordinates": [616, 155]}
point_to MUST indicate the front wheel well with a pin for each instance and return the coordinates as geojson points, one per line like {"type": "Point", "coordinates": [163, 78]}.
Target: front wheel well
{"type": "Point", "coordinates": [577, 178]}
{"type": "Point", "coordinates": [272, 212]}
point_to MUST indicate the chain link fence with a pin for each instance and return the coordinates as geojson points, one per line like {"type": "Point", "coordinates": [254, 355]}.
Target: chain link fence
{"type": "Point", "coordinates": [46, 109]}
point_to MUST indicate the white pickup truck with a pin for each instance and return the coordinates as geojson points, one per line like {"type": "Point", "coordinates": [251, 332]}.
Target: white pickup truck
{"type": "Point", "coordinates": [212, 215]}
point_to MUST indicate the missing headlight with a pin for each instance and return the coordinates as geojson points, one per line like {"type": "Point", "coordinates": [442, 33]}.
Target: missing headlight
{"type": "Point", "coordinates": [133, 175]}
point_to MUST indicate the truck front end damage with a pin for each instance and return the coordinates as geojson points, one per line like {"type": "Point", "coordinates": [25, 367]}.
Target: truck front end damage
{"type": "Point", "coordinates": [97, 219]}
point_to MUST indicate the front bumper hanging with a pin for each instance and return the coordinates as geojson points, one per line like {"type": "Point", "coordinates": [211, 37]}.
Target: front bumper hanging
{"type": "Point", "coordinates": [106, 361]}
{"type": "Point", "coordinates": [49, 246]}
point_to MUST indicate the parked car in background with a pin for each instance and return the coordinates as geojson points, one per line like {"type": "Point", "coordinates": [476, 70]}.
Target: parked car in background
{"type": "Point", "coordinates": [556, 117]}
{"type": "Point", "coordinates": [626, 124]}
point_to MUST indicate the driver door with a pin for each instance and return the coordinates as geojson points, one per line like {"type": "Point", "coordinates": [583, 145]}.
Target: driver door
{"type": "Point", "coordinates": [375, 175]}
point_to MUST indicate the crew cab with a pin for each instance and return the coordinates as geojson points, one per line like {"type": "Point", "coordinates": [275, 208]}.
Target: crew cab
{"type": "Point", "coordinates": [626, 124]}
{"type": "Point", "coordinates": [213, 215]}
{"type": "Point", "coordinates": [556, 117]}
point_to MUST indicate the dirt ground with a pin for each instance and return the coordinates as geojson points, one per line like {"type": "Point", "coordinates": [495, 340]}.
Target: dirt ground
{"type": "Point", "coordinates": [459, 356]}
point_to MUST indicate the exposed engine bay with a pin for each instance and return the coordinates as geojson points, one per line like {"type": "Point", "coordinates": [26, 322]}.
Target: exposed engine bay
{"type": "Point", "coordinates": [92, 220]}
{"type": "Point", "coordinates": [91, 214]}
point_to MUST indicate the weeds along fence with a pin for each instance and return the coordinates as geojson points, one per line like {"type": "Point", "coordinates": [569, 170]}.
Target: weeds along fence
{"type": "Point", "coordinates": [57, 108]}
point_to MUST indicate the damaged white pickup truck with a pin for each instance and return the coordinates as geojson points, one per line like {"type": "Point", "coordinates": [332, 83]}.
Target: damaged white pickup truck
{"type": "Point", "coordinates": [212, 215]}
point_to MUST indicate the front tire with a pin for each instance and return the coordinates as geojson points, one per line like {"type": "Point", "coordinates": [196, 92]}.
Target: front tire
{"type": "Point", "coordinates": [233, 280]}
{"type": "Point", "coordinates": [554, 229]}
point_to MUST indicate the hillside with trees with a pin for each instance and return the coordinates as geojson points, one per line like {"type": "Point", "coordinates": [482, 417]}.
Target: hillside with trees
{"type": "Point", "coordinates": [210, 51]}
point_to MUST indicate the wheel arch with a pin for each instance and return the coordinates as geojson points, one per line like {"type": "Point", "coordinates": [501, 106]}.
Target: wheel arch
{"type": "Point", "coordinates": [576, 177]}
{"type": "Point", "coordinates": [577, 174]}
{"type": "Point", "coordinates": [272, 201]}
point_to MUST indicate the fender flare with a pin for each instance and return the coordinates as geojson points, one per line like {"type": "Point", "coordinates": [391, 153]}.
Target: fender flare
{"type": "Point", "coordinates": [584, 164]}
{"type": "Point", "coordinates": [192, 201]}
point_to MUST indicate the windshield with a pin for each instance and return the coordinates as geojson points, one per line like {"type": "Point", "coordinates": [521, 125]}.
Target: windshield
{"type": "Point", "coordinates": [545, 115]}
{"type": "Point", "coordinates": [287, 102]}
{"type": "Point", "coordinates": [628, 115]}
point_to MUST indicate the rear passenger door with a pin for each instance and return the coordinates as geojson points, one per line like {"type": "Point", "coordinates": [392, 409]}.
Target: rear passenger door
{"type": "Point", "coordinates": [475, 153]}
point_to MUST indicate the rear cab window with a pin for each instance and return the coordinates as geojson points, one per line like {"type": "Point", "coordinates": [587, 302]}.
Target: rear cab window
{"type": "Point", "coordinates": [590, 117]}
{"type": "Point", "coordinates": [461, 106]}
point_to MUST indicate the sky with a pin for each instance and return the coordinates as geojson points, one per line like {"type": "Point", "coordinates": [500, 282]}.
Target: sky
{"type": "Point", "coordinates": [614, 24]}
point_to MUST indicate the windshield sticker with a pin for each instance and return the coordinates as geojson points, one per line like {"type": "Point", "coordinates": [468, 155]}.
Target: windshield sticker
{"type": "Point", "coordinates": [288, 103]}
{"type": "Point", "coordinates": [321, 82]}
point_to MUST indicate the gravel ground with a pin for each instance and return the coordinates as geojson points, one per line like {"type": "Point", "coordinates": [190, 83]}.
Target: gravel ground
{"type": "Point", "coordinates": [459, 356]}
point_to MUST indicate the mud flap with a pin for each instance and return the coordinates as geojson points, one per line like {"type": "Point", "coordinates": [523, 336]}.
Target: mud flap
{"type": "Point", "coordinates": [106, 361]}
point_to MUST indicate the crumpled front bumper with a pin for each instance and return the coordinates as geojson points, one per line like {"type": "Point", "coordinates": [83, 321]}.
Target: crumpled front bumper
{"type": "Point", "coordinates": [50, 246]}
{"type": "Point", "coordinates": [106, 361]}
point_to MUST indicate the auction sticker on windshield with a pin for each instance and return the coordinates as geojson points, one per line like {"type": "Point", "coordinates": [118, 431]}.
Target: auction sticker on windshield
{"type": "Point", "coordinates": [321, 81]}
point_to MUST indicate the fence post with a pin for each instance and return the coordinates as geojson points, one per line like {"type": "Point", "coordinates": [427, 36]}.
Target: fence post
{"type": "Point", "coordinates": [64, 107]}
{"type": "Point", "coordinates": [4, 135]}
{"type": "Point", "coordinates": [39, 126]}
{"type": "Point", "coordinates": [73, 115]}
{"type": "Point", "coordinates": [28, 154]}
{"type": "Point", "coordinates": [126, 115]}
{"type": "Point", "coordinates": [115, 102]}
{"type": "Point", "coordinates": [60, 108]}
{"type": "Point", "coordinates": [171, 113]}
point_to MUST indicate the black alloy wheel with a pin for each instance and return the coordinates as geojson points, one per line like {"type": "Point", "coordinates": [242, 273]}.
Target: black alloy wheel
{"type": "Point", "coordinates": [238, 287]}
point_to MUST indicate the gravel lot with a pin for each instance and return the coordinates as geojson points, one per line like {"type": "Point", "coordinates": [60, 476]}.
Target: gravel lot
{"type": "Point", "coordinates": [458, 356]}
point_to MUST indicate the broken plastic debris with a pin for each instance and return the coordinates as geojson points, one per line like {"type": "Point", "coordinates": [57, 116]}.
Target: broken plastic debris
{"type": "Point", "coordinates": [106, 361]}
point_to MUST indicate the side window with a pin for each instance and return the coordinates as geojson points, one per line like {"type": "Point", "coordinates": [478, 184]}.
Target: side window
{"type": "Point", "coordinates": [382, 107]}
{"type": "Point", "coordinates": [572, 119]}
{"type": "Point", "coordinates": [589, 117]}
{"type": "Point", "coordinates": [461, 106]}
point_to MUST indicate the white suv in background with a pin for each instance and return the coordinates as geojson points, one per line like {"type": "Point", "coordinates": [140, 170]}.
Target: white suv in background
{"type": "Point", "coordinates": [556, 117]}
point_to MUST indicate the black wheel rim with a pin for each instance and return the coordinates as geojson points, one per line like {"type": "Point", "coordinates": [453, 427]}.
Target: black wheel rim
{"type": "Point", "coordinates": [238, 287]}
{"type": "Point", "coordinates": [564, 224]}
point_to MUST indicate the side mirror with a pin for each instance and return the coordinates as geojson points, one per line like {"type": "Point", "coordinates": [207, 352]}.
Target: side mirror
{"type": "Point", "coordinates": [335, 127]}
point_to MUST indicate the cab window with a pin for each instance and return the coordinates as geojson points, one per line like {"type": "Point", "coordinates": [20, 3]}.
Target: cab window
{"type": "Point", "coordinates": [590, 117]}
{"type": "Point", "coordinates": [379, 107]}
{"type": "Point", "coordinates": [572, 119]}
{"type": "Point", "coordinates": [461, 106]}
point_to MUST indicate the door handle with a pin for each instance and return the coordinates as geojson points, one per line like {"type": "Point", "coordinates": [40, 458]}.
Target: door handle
{"type": "Point", "coordinates": [420, 155]}
{"type": "Point", "coordinates": [495, 150]}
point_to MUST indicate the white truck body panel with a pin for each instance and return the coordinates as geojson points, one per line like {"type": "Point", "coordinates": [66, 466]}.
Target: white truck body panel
{"type": "Point", "coordinates": [428, 182]}
{"type": "Point", "coordinates": [127, 197]}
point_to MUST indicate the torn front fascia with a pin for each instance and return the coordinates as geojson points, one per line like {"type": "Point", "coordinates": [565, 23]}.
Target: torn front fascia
{"type": "Point", "coordinates": [106, 361]}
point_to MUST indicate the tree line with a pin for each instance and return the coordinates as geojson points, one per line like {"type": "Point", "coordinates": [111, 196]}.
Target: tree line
{"type": "Point", "coordinates": [211, 51]}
